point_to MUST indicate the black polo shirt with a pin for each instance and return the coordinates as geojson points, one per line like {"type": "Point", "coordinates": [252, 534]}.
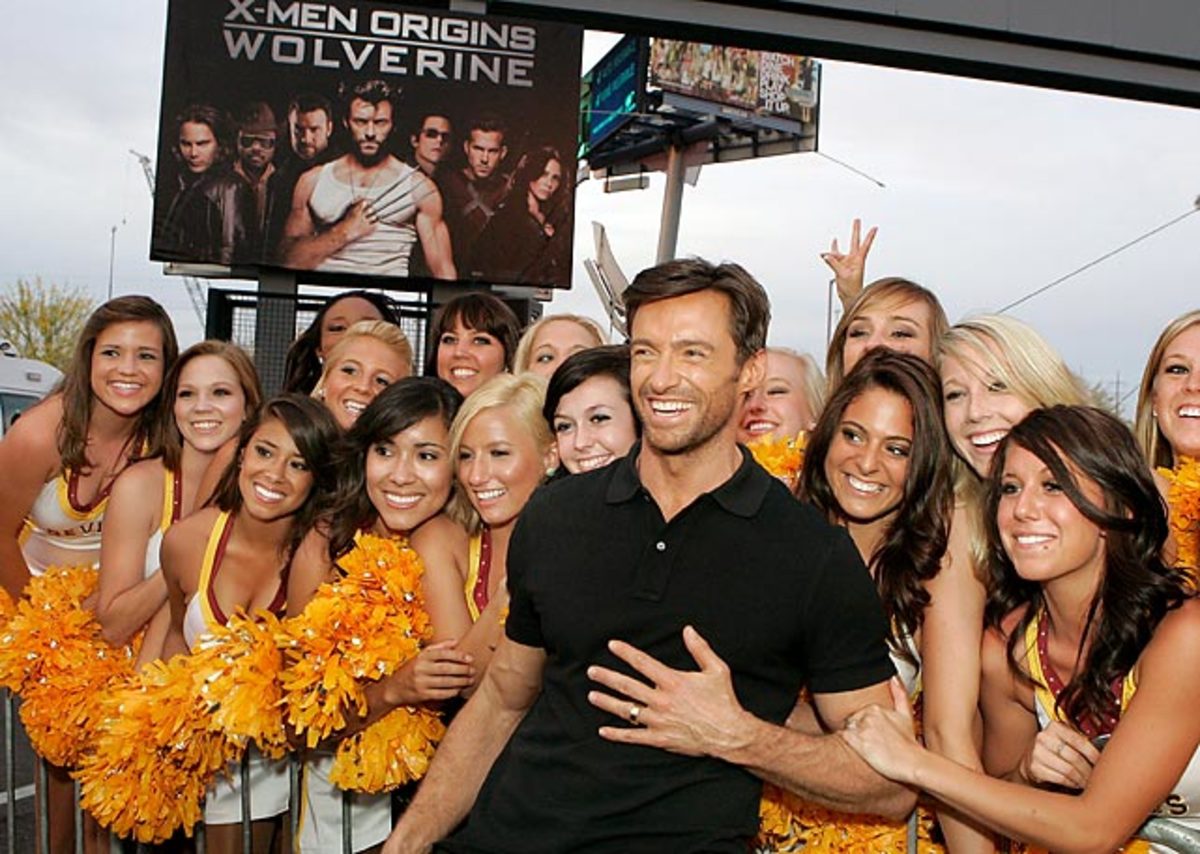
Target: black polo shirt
{"type": "Point", "coordinates": [781, 595]}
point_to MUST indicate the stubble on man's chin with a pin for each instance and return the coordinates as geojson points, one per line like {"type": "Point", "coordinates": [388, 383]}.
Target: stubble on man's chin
{"type": "Point", "coordinates": [370, 161]}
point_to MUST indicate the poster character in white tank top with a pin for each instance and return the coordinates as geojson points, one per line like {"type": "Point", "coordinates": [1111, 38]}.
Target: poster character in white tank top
{"type": "Point", "coordinates": [365, 211]}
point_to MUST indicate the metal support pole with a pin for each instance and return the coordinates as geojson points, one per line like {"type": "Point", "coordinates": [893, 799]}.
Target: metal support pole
{"type": "Point", "coordinates": [829, 313]}
{"type": "Point", "coordinates": [78, 810]}
{"type": "Point", "coordinates": [294, 796]}
{"type": "Point", "coordinates": [347, 824]}
{"type": "Point", "coordinates": [43, 802]}
{"type": "Point", "coordinates": [668, 229]}
{"type": "Point", "coordinates": [10, 775]}
{"type": "Point", "coordinates": [112, 255]}
{"type": "Point", "coordinates": [274, 326]}
{"type": "Point", "coordinates": [247, 815]}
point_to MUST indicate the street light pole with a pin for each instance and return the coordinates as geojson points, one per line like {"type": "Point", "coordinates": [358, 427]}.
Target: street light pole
{"type": "Point", "coordinates": [112, 254]}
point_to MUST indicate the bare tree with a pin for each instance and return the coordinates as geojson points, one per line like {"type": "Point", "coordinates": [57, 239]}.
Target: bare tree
{"type": "Point", "coordinates": [42, 321]}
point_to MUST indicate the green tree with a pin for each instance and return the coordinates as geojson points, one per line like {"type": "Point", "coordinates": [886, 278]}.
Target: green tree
{"type": "Point", "coordinates": [42, 321]}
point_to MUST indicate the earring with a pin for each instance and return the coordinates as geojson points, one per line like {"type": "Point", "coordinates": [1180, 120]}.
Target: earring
{"type": "Point", "coordinates": [551, 470]}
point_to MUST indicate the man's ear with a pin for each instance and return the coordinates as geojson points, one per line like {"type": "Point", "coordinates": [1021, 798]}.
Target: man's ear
{"type": "Point", "coordinates": [753, 373]}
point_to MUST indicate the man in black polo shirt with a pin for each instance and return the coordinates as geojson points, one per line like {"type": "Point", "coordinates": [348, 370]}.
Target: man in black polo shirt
{"type": "Point", "coordinates": [685, 531]}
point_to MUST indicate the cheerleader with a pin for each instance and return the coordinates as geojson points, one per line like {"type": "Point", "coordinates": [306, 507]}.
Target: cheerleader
{"type": "Point", "coordinates": [893, 313]}
{"type": "Point", "coordinates": [61, 458]}
{"type": "Point", "coordinates": [875, 464]}
{"type": "Point", "coordinates": [589, 409]}
{"type": "Point", "coordinates": [545, 343]}
{"type": "Point", "coordinates": [472, 339]}
{"type": "Point", "coordinates": [1168, 430]}
{"type": "Point", "coordinates": [395, 477]}
{"type": "Point", "coordinates": [212, 388]}
{"type": "Point", "coordinates": [367, 358]}
{"type": "Point", "coordinates": [1089, 659]}
{"type": "Point", "coordinates": [306, 356]}
{"type": "Point", "coordinates": [236, 556]}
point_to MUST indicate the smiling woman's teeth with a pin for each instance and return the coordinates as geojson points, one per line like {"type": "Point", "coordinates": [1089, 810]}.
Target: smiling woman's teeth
{"type": "Point", "coordinates": [401, 502]}
{"type": "Point", "coordinates": [1033, 539]}
{"type": "Point", "coordinates": [463, 373]}
{"type": "Point", "coordinates": [594, 462]}
{"type": "Point", "coordinates": [864, 486]}
{"type": "Point", "coordinates": [982, 440]}
{"type": "Point", "coordinates": [1189, 412]}
{"type": "Point", "coordinates": [268, 495]}
{"type": "Point", "coordinates": [489, 494]}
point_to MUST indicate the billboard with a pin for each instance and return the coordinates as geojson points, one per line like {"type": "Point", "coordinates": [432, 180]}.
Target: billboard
{"type": "Point", "coordinates": [360, 138]}
{"type": "Point", "coordinates": [760, 82]}
{"type": "Point", "coordinates": [614, 91]}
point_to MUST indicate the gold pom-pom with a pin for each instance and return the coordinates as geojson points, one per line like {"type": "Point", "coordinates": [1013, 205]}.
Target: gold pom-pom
{"type": "Point", "coordinates": [169, 730]}
{"type": "Point", "coordinates": [357, 629]}
{"type": "Point", "coordinates": [53, 654]}
{"type": "Point", "coordinates": [154, 755]}
{"type": "Point", "coordinates": [394, 750]}
{"type": "Point", "coordinates": [1183, 498]}
{"type": "Point", "coordinates": [781, 457]}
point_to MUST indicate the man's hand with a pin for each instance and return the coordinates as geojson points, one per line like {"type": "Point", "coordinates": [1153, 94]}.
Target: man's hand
{"type": "Point", "coordinates": [359, 221]}
{"type": "Point", "coordinates": [397, 843]}
{"type": "Point", "coordinates": [694, 713]}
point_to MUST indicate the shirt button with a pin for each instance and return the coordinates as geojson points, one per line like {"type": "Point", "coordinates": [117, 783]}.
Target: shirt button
{"type": "Point", "coordinates": [661, 546]}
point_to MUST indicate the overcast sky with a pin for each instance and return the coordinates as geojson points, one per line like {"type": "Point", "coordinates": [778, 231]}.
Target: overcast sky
{"type": "Point", "coordinates": [992, 190]}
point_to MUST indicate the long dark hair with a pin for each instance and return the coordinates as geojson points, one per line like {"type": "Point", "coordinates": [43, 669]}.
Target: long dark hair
{"type": "Point", "coordinates": [1137, 589]}
{"type": "Point", "coordinates": [348, 509]}
{"type": "Point", "coordinates": [76, 386]}
{"type": "Point", "coordinates": [316, 435]}
{"type": "Point", "coordinates": [303, 366]}
{"type": "Point", "coordinates": [911, 550]}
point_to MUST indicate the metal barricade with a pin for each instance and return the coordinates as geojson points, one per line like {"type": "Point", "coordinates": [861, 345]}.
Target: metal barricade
{"type": "Point", "coordinates": [39, 832]}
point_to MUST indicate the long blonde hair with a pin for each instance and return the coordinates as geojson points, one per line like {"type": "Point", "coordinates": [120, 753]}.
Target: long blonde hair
{"type": "Point", "coordinates": [381, 330]}
{"type": "Point", "coordinates": [524, 394]}
{"type": "Point", "coordinates": [1154, 444]}
{"type": "Point", "coordinates": [1013, 353]}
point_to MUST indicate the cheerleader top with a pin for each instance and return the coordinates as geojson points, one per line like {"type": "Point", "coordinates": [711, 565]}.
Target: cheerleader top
{"type": "Point", "coordinates": [204, 612]}
{"type": "Point", "coordinates": [59, 530]}
{"type": "Point", "coordinates": [1183, 804]}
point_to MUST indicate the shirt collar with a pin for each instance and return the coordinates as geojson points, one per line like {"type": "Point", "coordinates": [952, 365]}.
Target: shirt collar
{"type": "Point", "coordinates": [741, 495]}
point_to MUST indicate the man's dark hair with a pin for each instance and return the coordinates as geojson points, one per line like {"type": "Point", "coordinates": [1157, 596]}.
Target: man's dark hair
{"type": "Point", "coordinates": [309, 102]}
{"type": "Point", "coordinates": [218, 122]}
{"type": "Point", "coordinates": [487, 123]}
{"type": "Point", "coordinates": [419, 124]}
{"type": "Point", "coordinates": [372, 91]}
{"type": "Point", "coordinates": [749, 306]}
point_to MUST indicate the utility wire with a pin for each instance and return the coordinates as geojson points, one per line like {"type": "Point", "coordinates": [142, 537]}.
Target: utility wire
{"type": "Point", "coordinates": [858, 172]}
{"type": "Point", "coordinates": [1102, 258]}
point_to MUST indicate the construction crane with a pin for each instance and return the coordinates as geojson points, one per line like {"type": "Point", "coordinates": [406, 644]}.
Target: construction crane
{"type": "Point", "coordinates": [196, 291]}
